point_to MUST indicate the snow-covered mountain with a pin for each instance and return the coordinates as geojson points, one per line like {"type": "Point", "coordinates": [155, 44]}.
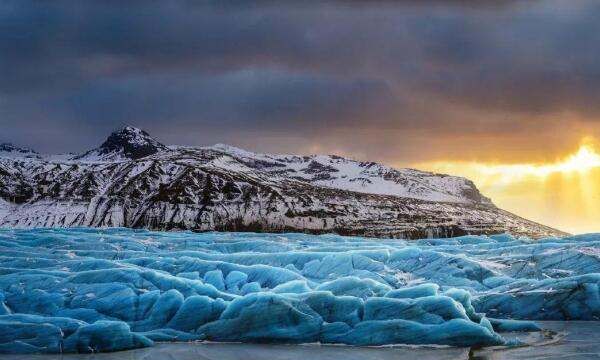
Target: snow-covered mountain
{"type": "Point", "coordinates": [336, 172]}
{"type": "Point", "coordinates": [129, 143]}
{"type": "Point", "coordinates": [8, 150]}
{"type": "Point", "coordinates": [133, 180]}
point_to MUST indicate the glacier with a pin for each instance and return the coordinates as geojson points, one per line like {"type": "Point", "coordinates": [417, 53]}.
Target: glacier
{"type": "Point", "coordinates": [95, 290]}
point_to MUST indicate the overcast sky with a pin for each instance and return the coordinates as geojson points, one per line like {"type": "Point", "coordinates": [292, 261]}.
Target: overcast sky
{"type": "Point", "coordinates": [395, 81]}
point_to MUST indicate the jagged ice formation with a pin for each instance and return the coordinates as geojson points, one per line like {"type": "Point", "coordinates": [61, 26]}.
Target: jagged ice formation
{"type": "Point", "coordinates": [84, 290]}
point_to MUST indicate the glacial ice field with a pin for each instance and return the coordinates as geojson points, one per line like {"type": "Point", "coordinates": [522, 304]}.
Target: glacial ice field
{"type": "Point", "coordinates": [88, 290]}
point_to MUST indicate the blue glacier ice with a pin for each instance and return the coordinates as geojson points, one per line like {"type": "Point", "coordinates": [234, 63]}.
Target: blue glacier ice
{"type": "Point", "coordinates": [93, 290]}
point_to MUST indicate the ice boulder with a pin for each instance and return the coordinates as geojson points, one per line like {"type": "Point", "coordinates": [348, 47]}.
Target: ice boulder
{"type": "Point", "coordinates": [456, 332]}
{"type": "Point", "coordinates": [103, 336]}
{"type": "Point", "coordinates": [265, 317]}
{"type": "Point", "coordinates": [235, 280]}
{"type": "Point", "coordinates": [18, 337]}
{"type": "Point", "coordinates": [413, 292]}
{"type": "Point", "coordinates": [196, 311]}
{"type": "Point", "coordinates": [346, 309]}
{"type": "Point", "coordinates": [568, 298]}
{"type": "Point", "coordinates": [215, 278]}
{"type": "Point", "coordinates": [425, 310]}
{"type": "Point", "coordinates": [354, 286]}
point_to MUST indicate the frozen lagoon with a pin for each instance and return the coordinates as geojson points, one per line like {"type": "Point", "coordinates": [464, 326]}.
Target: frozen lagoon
{"type": "Point", "coordinates": [83, 290]}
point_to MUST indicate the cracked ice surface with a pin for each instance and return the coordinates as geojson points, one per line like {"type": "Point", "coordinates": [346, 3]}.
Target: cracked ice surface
{"type": "Point", "coordinates": [82, 290]}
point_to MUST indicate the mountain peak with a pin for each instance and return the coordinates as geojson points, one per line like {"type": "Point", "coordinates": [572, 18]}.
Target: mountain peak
{"type": "Point", "coordinates": [128, 142]}
{"type": "Point", "coordinates": [132, 142]}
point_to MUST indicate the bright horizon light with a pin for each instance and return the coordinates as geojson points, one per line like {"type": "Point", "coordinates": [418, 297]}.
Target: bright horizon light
{"type": "Point", "coordinates": [585, 159]}
{"type": "Point", "coordinates": [564, 194]}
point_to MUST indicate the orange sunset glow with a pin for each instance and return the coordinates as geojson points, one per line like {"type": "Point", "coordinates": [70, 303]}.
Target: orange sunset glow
{"type": "Point", "coordinates": [564, 193]}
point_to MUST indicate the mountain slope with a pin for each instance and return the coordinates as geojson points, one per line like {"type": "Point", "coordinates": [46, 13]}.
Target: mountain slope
{"type": "Point", "coordinates": [133, 180]}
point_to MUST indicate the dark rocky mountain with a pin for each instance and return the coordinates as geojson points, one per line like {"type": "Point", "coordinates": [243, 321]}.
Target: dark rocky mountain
{"type": "Point", "coordinates": [129, 142]}
{"type": "Point", "coordinates": [133, 180]}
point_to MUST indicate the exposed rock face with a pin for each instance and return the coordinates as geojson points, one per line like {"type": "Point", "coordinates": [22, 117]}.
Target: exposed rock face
{"type": "Point", "coordinates": [129, 143]}
{"type": "Point", "coordinates": [132, 180]}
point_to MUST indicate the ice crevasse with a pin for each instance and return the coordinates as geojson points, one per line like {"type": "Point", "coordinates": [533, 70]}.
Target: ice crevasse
{"type": "Point", "coordinates": [88, 290]}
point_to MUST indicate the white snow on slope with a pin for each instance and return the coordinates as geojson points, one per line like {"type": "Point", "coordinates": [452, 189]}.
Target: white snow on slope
{"type": "Point", "coordinates": [367, 177]}
{"type": "Point", "coordinates": [10, 151]}
{"type": "Point", "coordinates": [5, 208]}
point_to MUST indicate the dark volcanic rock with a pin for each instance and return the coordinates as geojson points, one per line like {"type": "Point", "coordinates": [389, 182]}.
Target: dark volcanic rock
{"type": "Point", "coordinates": [129, 142]}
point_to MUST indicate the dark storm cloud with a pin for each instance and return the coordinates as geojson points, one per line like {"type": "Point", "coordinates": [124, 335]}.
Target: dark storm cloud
{"type": "Point", "coordinates": [371, 78]}
{"type": "Point", "coordinates": [231, 99]}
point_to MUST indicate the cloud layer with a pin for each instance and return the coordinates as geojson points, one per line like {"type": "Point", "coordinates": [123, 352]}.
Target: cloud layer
{"type": "Point", "coordinates": [399, 81]}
